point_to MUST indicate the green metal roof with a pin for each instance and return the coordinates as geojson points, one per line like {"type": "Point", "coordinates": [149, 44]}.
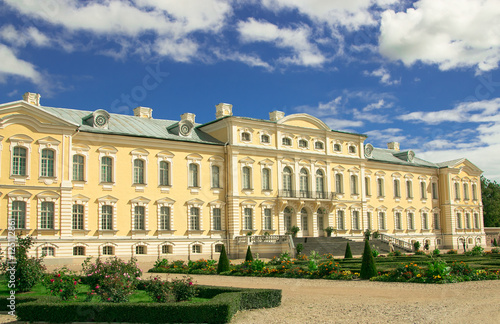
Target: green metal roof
{"type": "Point", "coordinates": [390, 156]}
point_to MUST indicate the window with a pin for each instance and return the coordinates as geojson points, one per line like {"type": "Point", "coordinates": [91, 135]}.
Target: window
{"type": "Point", "coordinates": [106, 217]}
{"type": "Point", "coordinates": [436, 220]}
{"type": "Point", "coordinates": [267, 219]}
{"type": "Point", "coordinates": [287, 181]}
{"type": "Point", "coordinates": [78, 167]}
{"type": "Point", "coordinates": [467, 221]}
{"type": "Point", "coordinates": [215, 176]}
{"type": "Point", "coordinates": [139, 218]}
{"type": "Point", "coordinates": [108, 250]}
{"type": "Point", "coordinates": [411, 221]}
{"type": "Point", "coordinates": [266, 179]}
{"type": "Point", "coordinates": [245, 137]}
{"type": "Point", "coordinates": [474, 191]}
{"type": "Point", "coordinates": [166, 249]}
{"type": "Point", "coordinates": [354, 184]}
{"type": "Point", "coordinates": [194, 219]}
{"type": "Point", "coordinates": [321, 219]}
{"type": "Point", "coordinates": [425, 221]}
{"type": "Point", "coordinates": [367, 186]}
{"type": "Point", "coordinates": [352, 149]}
{"type": "Point", "coordinates": [319, 145]}
{"type": "Point", "coordinates": [106, 169]}
{"type": "Point", "coordinates": [423, 189]}
{"type": "Point", "coordinates": [19, 161]}
{"type": "Point", "coordinates": [287, 141]}
{"type": "Point", "coordinates": [459, 220]}
{"type": "Point", "coordinates": [193, 175]}
{"type": "Point", "coordinates": [48, 251]}
{"type": "Point", "coordinates": [78, 217]}
{"type": "Point", "coordinates": [380, 187]}
{"type": "Point", "coordinates": [369, 219]}
{"type": "Point", "coordinates": [47, 215]}
{"type": "Point", "coordinates": [78, 250]}
{"type": "Point", "coordinates": [164, 173]}
{"type": "Point", "coordinates": [381, 221]}
{"type": "Point", "coordinates": [246, 183]}
{"type": "Point", "coordinates": [434, 189]}
{"type": "Point", "coordinates": [397, 191]}
{"type": "Point", "coordinates": [247, 219]}
{"type": "Point", "coordinates": [196, 248]}
{"type": "Point", "coordinates": [165, 218]}
{"type": "Point", "coordinates": [340, 220]}
{"type": "Point", "coordinates": [19, 214]}
{"type": "Point", "coordinates": [466, 191]}
{"type": "Point", "coordinates": [320, 184]}
{"type": "Point", "coordinates": [409, 189]}
{"type": "Point", "coordinates": [339, 186]}
{"type": "Point", "coordinates": [288, 218]}
{"type": "Point", "coordinates": [304, 183]}
{"type": "Point", "coordinates": [264, 138]}
{"type": "Point", "coordinates": [303, 143]}
{"type": "Point", "coordinates": [337, 147]}
{"type": "Point", "coordinates": [140, 249]}
{"type": "Point", "coordinates": [397, 221]}
{"type": "Point", "coordinates": [47, 166]}
{"type": "Point", "coordinates": [457, 191]}
{"type": "Point", "coordinates": [217, 219]}
{"type": "Point", "coordinates": [218, 248]}
{"type": "Point", "coordinates": [355, 220]}
{"type": "Point", "coordinates": [476, 220]}
{"type": "Point", "coordinates": [138, 171]}
{"type": "Point", "coordinates": [304, 219]}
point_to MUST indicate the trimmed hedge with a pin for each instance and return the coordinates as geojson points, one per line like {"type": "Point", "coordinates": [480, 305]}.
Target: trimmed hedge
{"type": "Point", "coordinates": [225, 302]}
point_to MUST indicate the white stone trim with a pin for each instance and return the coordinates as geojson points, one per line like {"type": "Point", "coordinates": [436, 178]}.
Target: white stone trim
{"type": "Point", "coordinates": [23, 141]}
{"type": "Point", "coordinates": [19, 195]}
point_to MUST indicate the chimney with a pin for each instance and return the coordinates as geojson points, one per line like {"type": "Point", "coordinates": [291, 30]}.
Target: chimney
{"type": "Point", "coordinates": [223, 110]}
{"type": "Point", "coordinates": [188, 116]}
{"type": "Point", "coordinates": [393, 146]}
{"type": "Point", "coordinates": [143, 112]}
{"type": "Point", "coordinates": [276, 115]}
{"type": "Point", "coordinates": [32, 98]}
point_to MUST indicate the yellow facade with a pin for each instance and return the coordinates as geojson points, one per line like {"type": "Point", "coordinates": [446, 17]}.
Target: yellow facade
{"type": "Point", "coordinates": [94, 183]}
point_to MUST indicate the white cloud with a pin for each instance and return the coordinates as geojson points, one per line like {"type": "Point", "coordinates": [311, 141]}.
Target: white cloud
{"type": "Point", "coordinates": [384, 75]}
{"type": "Point", "coordinates": [11, 65]}
{"type": "Point", "coordinates": [28, 36]}
{"type": "Point", "coordinates": [372, 118]}
{"type": "Point", "coordinates": [248, 59]}
{"type": "Point", "coordinates": [297, 40]}
{"type": "Point", "coordinates": [342, 124]}
{"type": "Point", "coordinates": [386, 136]}
{"type": "Point", "coordinates": [323, 109]}
{"type": "Point", "coordinates": [380, 104]}
{"type": "Point", "coordinates": [449, 33]}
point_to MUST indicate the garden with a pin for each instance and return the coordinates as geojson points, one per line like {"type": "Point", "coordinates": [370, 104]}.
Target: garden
{"type": "Point", "coordinates": [113, 290]}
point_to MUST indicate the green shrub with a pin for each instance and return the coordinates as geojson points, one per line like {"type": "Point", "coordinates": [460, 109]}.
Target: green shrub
{"type": "Point", "coordinates": [183, 289]}
{"type": "Point", "coordinates": [202, 264]}
{"type": "Point", "coordinates": [159, 290]}
{"type": "Point", "coordinates": [348, 254]}
{"type": "Point", "coordinates": [28, 270]}
{"type": "Point", "coordinates": [368, 267]}
{"type": "Point", "coordinates": [416, 246]}
{"type": "Point", "coordinates": [96, 272]}
{"type": "Point", "coordinates": [327, 268]}
{"type": "Point", "coordinates": [299, 248]}
{"type": "Point", "coordinates": [367, 234]}
{"type": "Point", "coordinates": [375, 252]}
{"type": "Point", "coordinates": [223, 265]}
{"type": "Point", "coordinates": [477, 250]}
{"type": "Point", "coordinates": [314, 255]}
{"type": "Point", "coordinates": [452, 252]}
{"type": "Point", "coordinates": [438, 271]}
{"type": "Point", "coordinates": [249, 256]}
{"type": "Point", "coordinates": [495, 250]}
{"type": "Point", "coordinates": [436, 252]}
{"type": "Point", "coordinates": [62, 283]}
{"type": "Point", "coordinates": [495, 242]}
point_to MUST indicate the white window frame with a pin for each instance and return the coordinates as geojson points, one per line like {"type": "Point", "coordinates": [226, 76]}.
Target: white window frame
{"type": "Point", "coordinates": [83, 150]}
{"type": "Point", "coordinates": [109, 201]}
{"type": "Point", "coordinates": [166, 157]}
{"type": "Point", "coordinates": [248, 131]}
{"type": "Point", "coordinates": [218, 162]}
{"type": "Point", "coordinates": [264, 217]}
{"type": "Point", "coordinates": [264, 133]}
{"type": "Point", "coordinates": [24, 142]}
{"type": "Point", "coordinates": [49, 143]}
{"type": "Point", "coordinates": [340, 218]}
{"type": "Point", "coordinates": [107, 151]}
{"type": "Point", "coordinates": [423, 188]}
{"type": "Point", "coordinates": [196, 160]}
{"type": "Point", "coordinates": [84, 201]}
{"type": "Point", "coordinates": [398, 212]}
{"type": "Point", "coordinates": [139, 202]}
{"type": "Point", "coordinates": [250, 206]}
{"type": "Point", "coordinates": [19, 195]}
{"type": "Point", "coordinates": [220, 205]}
{"type": "Point", "coordinates": [340, 145]}
{"type": "Point", "coordinates": [140, 154]}
{"type": "Point", "coordinates": [165, 202]}
{"type": "Point", "coordinates": [382, 211]}
{"type": "Point", "coordinates": [356, 221]}
{"type": "Point", "coordinates": [425, 220]}
{"type": "Point", "coordinates": [195, 203]}
{"type": "Point", "coordinates": [319, 142]}
{"type": "Point", "coordinates": [436, 212]}
{"type": "Point", "coordinates": [410, 219]}
{"type": "Point", "coordinates": [53, 197]}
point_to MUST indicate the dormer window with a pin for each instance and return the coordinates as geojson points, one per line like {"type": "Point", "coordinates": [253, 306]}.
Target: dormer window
{"type": "Point", "coordinates": [352, 149]}
{"type": "Point", "coordinates": [337, 147]}
{"type": "Point", "coordinates": [303, 143]}
{"type": "Point", "coordinates": [287, 141]}
{"type": "Point", "coordinates": [265, 139]}
{"type": "Point", "coordinates": [245, 137]}
{"type": "Point", "coordinates": [319, 145]}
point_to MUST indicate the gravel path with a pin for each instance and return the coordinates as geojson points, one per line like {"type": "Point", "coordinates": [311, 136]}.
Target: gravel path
{"type": "Point", "coordinates": [325, 301]}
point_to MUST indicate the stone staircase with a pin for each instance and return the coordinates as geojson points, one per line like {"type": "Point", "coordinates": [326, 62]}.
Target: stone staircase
{"type": "Point", "coordinates": [337, 245]}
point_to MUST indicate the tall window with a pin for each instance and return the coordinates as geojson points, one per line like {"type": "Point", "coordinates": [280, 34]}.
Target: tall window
{"type": "Point", "coordinates": [47, 166]}
{"type": "Point", "coordinates": [397, 190]}
{"type": "Point", "coordinates": [476, 220]}
{"type": "Point", "coordinates": [266, 179]}
{"type": "Point", "coordinates": [320, 184]}
{"type": "Point", "coordinates": [354, 184]}
{"type": "Point", "coordinates": [194, 219]}
{"type": "Point", "coordinates": [246, 178]}
{"type": "Point", "coordinates": [436, 220]}
{"type": "Point", "coordinates": [78, 217]}
{"type": "Point", "coordinates": [467, 220]}
{"type": "Point", "coordinates": [409, 189]}
{"type": "Point", "coordinates": [304, 218]}
{"type": "Point", "coordinates": [164, 173]}
{"type": "Point", "coordinates": [355, 220]}
{"type": "Point", "coordinates": [434, 188]}
{"type": "Point", "coordinates": [369, 219]}
{"type": "Point", "coordinates": [288, 218]}
{"type": "Point", "coordinates": [217, 219]}
{"type": "Point", "coordinates": [459, 220]}
{"type": "Point", "coordinates": [247, 219]}
{"type": "Point", "coordinates": [339, 187]}
{"type": "Point", "coordinates": [466, 191]}
{"type": "Point", "coordinates": [423, 189]}
{"type": "Point", "coordinates": [267, 219]}
{"type": "Point", "coordinates": [381, 221]}
{"type": "Point", "coordinates": [304, 183]}
{"type": "Point", "coordinates": [193, 175]}
{"type": "Point", "coordinates": [340, 220]}
{"type": "Point", "coordinates": [411, 221]}
{"type": "Point", "coordinates": [139, 171]}
{"type": "Point", "coordinates": [78, 167]}
{"type": "Point", "coordinates": [215, 176]}
{"type": "Point", "coordinates": [19, 161]}
{"type": "Point", "coordinates": [457, 191]}
{"type": "Point", "coordinates": [425, 221]}
{"type": "Point", "coordinates": [380, 187]}
{"type": "Point", "coordinates": [106, 169]}
{"type": "Point", "coordinates": [474, 191]}
{"type": "Point", "coordinates": [47, 215]}
{"type": "Point", "coordinates": [19, 214]}
{"type": "Point", "coordinates": [397, 221]}
{"type": "Point", "coordinates": [165, 218]}
{"type": "Point", "coordinates": [139, 218]}
{"type": "Point", "coordinates": [287, 180]}
{"type": "Point", "coordinates": [106, 217]}
{"type": "Point", "coordinates": [367, 186]}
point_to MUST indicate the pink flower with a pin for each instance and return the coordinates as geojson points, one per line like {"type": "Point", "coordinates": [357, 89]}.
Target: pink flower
{"type": "Point", "coordinates": [61, 280]}
{"type": "Point", "coordinates": [74, 283]}
{"type": "Point", "coordinates": [58, 275]}
{"type": "Point", "coordinates": [60, 290]}
{"type": "Point", "coordinates": [138, 278]}
{"type": "Point", "coordinates": [97, 287]}
{"type": "Point", "coordinates": [109, 298]}
{"type": "Point", "coordinates": [51, 280]}
{"type": "Point", "coordinates": [190, 283]}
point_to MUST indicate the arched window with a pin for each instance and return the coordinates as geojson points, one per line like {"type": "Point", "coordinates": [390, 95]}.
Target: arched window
{"type": "Point", "coordinates": [140, 249]}
{"type": "Point", "coordinates": [425, 221]}
{"type": "Point", "coordinates": [266, 179]}
{"type": "Point", "coordinates": [247, 178]}
{"type": "Point", "coordinates": [288, 218]}
{"type": "Point", "coordinates": [79, 250]}
{"type": "Point", "coordinates": [397, 221]}
{"type": "Point", "coordinates": [303, 143]}
{"type": "Point", "coordinates": [423, 189]}
{"type": "Point", "coordinates": [467, 220]}
{"type": "Point", "coordinates": [19, 161]}
{"type": "Point", "coordinates": [337, 147]}
{"type": "Point", "coordinates": [354, 184]}
{"type": "Point", "coordinates": [248, 219]}
{"type": "Point", "coordinates": [381, 220]}
{"type": "Point", "coordinates": [196, 248]}
{"type": "Point", "coordinates": [47, 215]}
{"type": "Point", "coordinates": [138, 171]}
{"type": "Point", "coordinates": [106, 169]}
{"type": "Point", "coordinates": [164, 173]}
{"type": "Point", "coordinates": [286, 141]}
{"type": "Point", "coordinates": [47, 166]}
{"type": "Point", "coordinates": [320, 184]}
{"type": "Point", "coordinates": [339, 186]}
{"type": "Point", "coordinates": [355, 220]}
{"type": "Point", "coordinates": [264, 138]}
{"type": "Point", "coordinates": [304, 183]}
{"type": "Point", "coordinates": [215, 176]}
{"type": "Point", "coordinates": [409, 190]}
{"type": "Point", "coordinates": [193, 175]}
{"type": "Point", "coordinates": [466, 191]}
{"type": "Point", "coordinates": [474, 191]}
{"type": "Point", "coordinates": [106, 217]}
{"type": "Point", "coordinates": [459, 220]}
{"type": "Point", "coordinates": [340, 220]}
{"type": "Point", "coordinates": [287, 181]}
{"type": "Point", "coordinates": [166, 249]}
{"type": "Point", "coordinates": [245, 137]}
{"type": "Point", "coordinates": [165, 218]}
{"type": "Point", "coordinates": [319, 145]}
{"type": "Point", "coordinates": [108, 250]}
{"type": "Point", "coordinates": [19, 214]}
{"type": "Point", "coordinates": [457, 191]}
{"type": "Point", "coordinates": [48, 251]}
{"type": "Point", "coordinates": [78, 167]}
{"type": "Point", "coordinates": [411, 221]}
{"type": "Point", "coordinates": [352, 149]}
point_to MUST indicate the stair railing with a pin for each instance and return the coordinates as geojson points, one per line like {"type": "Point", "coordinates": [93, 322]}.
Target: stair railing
{"type": "Point", "coordinates": [396, 242]}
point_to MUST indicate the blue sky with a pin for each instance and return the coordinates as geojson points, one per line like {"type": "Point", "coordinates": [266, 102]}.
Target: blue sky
{"type": "Point", "coordinates": [423, 73]}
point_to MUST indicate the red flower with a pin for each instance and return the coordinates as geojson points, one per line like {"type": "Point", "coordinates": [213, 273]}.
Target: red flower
{"type": "Point", "coordinates": [74, 283]}
{"type": "Point", "coordinates": [60, 290]}
{"type": "Point", "coordinates": [51, 280]}
{"type": "Point", "coordinates": [58, 275]}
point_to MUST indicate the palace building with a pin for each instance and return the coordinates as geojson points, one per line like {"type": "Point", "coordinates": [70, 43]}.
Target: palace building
{"type": "Point", "coordinates": [97, 183]}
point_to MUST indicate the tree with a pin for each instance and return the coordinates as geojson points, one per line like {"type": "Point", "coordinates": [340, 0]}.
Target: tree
{"type": "Point", "coordinates": [348, 254]}
{"type": "Point", "coordinates": [368, 267]}
{"type": "Point", "coordinates": [490, 192]}
{"type": "Point", "coordinates": [249, 256]}
{"type": "Point", "coordinates": [28, 270]}
{"type": "Point", "coordinates": [223, 265]}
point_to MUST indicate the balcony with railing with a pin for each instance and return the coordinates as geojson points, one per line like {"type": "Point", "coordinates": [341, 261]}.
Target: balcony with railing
{"type": "Point", "coordinates": [306, 194]}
